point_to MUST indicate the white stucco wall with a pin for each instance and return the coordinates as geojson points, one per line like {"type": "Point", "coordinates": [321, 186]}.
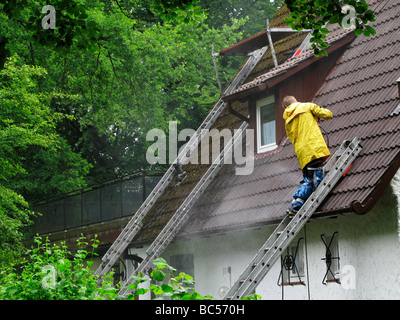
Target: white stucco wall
{"type": "Point", "coordinates": [395, 184]}
{"type": "Point", "coordinates": [369, 245]}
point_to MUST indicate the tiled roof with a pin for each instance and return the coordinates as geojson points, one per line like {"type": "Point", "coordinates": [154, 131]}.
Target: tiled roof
{"type": "Point", "coordinates": [362, 93]}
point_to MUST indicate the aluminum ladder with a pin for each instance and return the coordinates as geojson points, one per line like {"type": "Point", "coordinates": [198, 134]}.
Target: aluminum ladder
{"type": "Point", "coordinates": [183, 213]}
{"type": "Point", "coordinates": [287, 230]}
{"type": "Point", "coordinates": [135, 223]}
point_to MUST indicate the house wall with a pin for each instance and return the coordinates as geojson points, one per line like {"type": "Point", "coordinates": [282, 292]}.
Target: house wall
{"type": "Point", "coordinates": [369, 250]}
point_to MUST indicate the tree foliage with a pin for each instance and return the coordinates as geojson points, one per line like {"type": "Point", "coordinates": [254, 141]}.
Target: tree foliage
{"type": "Point", "coordinates": [137, 71]}
{"type": "Point", "coordinates": [179, 10]}
{"type": "Point", "coordinates": [29, 147]}
{"type": "Point", "coordinates": [77, 100]}
{"type": "Point", "coordinates": [53, 272]}
{"type": "Point", "coordinates": [74, 27]}
{"type": "Point", "coordinates": [315, 14]}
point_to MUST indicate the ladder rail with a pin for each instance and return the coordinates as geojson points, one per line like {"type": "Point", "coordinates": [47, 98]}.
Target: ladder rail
{"type": "Point", "coordinates": [134, 224]}
{"type": "Point", "coordinates": [181, 216]}
{"type": "Point", "coordinates": [280, 239]}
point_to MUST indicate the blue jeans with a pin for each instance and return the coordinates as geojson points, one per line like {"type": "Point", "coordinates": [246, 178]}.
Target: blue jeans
{"type": "Point", "coordinates": [313, 173]}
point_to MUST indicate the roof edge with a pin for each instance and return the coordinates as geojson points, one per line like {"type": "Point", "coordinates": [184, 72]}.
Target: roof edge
{"type": "Point", "coordinates": [373, 198]}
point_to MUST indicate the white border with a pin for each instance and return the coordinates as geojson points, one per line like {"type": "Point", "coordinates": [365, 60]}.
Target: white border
{"type": "Point", "coordinates": [259, 104]}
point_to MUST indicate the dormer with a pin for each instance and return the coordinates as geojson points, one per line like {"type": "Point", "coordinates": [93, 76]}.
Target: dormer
{"type": "Point", "coordinates": [302, 76]}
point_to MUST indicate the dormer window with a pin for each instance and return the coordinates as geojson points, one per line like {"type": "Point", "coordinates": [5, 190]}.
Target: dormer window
{"type": "Point", "coordinates": [266, 124]}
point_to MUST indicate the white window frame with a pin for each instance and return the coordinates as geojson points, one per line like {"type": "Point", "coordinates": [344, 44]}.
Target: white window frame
{"type": "Point", "coordinates": [259, 104]}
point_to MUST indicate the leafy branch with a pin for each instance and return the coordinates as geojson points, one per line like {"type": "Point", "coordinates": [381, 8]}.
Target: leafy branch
{"type": "Point", "coordinates": [179, 10]}
{"type": "Point", "coordinates": [315, 14]}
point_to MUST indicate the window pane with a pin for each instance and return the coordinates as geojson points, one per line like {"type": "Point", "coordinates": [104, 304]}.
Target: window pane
{"type": "Point", "coordinates": [334, 268]}
{"type": "Point", "coordinates": [267, 117]}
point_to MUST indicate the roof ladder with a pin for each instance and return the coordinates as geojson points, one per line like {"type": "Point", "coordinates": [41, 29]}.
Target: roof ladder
{"type": "Point", "coordinates": [135, 223]}
{"type": "Point", "coordinates": [287, 230]}
{"type": "Point", "coordinates": [182, 215]}
{"type": "Point", "coordinates": [271, 44]}
{"type": "Point", "coordinates": [213, 55]}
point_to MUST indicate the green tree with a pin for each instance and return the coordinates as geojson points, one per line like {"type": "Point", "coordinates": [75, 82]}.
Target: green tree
{"type": "Point", "coordinates": [255, 12]}
{"type": "Point", "coordinates": [30, 151]}
{"type": "Point", "coordinates": [72, 23]}
{"type": "Point", "coordinates": [136, 71]}
{"type": "Point", "coordinates": [137, 78]}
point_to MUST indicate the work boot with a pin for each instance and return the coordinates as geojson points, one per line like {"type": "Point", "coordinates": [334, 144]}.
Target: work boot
{"type": "Point", "coordinates": [294, 207]}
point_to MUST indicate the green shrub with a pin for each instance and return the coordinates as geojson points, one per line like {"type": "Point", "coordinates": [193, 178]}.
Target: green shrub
{"type": "Point", "coordinates": [51, 272]}
{"type": "Point", "coordinates": [173, 287]}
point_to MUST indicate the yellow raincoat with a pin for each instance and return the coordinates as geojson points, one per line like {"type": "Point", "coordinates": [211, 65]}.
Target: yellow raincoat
{"type": "Point", "coordinates": [304, 133]}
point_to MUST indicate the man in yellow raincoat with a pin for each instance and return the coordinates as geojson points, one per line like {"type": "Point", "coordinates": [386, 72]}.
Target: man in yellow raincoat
{"type": "Point", "coordinates": [311, 150]}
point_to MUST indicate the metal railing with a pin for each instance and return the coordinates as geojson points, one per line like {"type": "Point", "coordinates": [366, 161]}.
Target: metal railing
{"type": "Point", "coordinates": [109, 201]}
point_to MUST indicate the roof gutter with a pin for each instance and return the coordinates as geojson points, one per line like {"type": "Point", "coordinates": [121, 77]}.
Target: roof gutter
{"type": "Point", "coordinates": [237, 114]}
